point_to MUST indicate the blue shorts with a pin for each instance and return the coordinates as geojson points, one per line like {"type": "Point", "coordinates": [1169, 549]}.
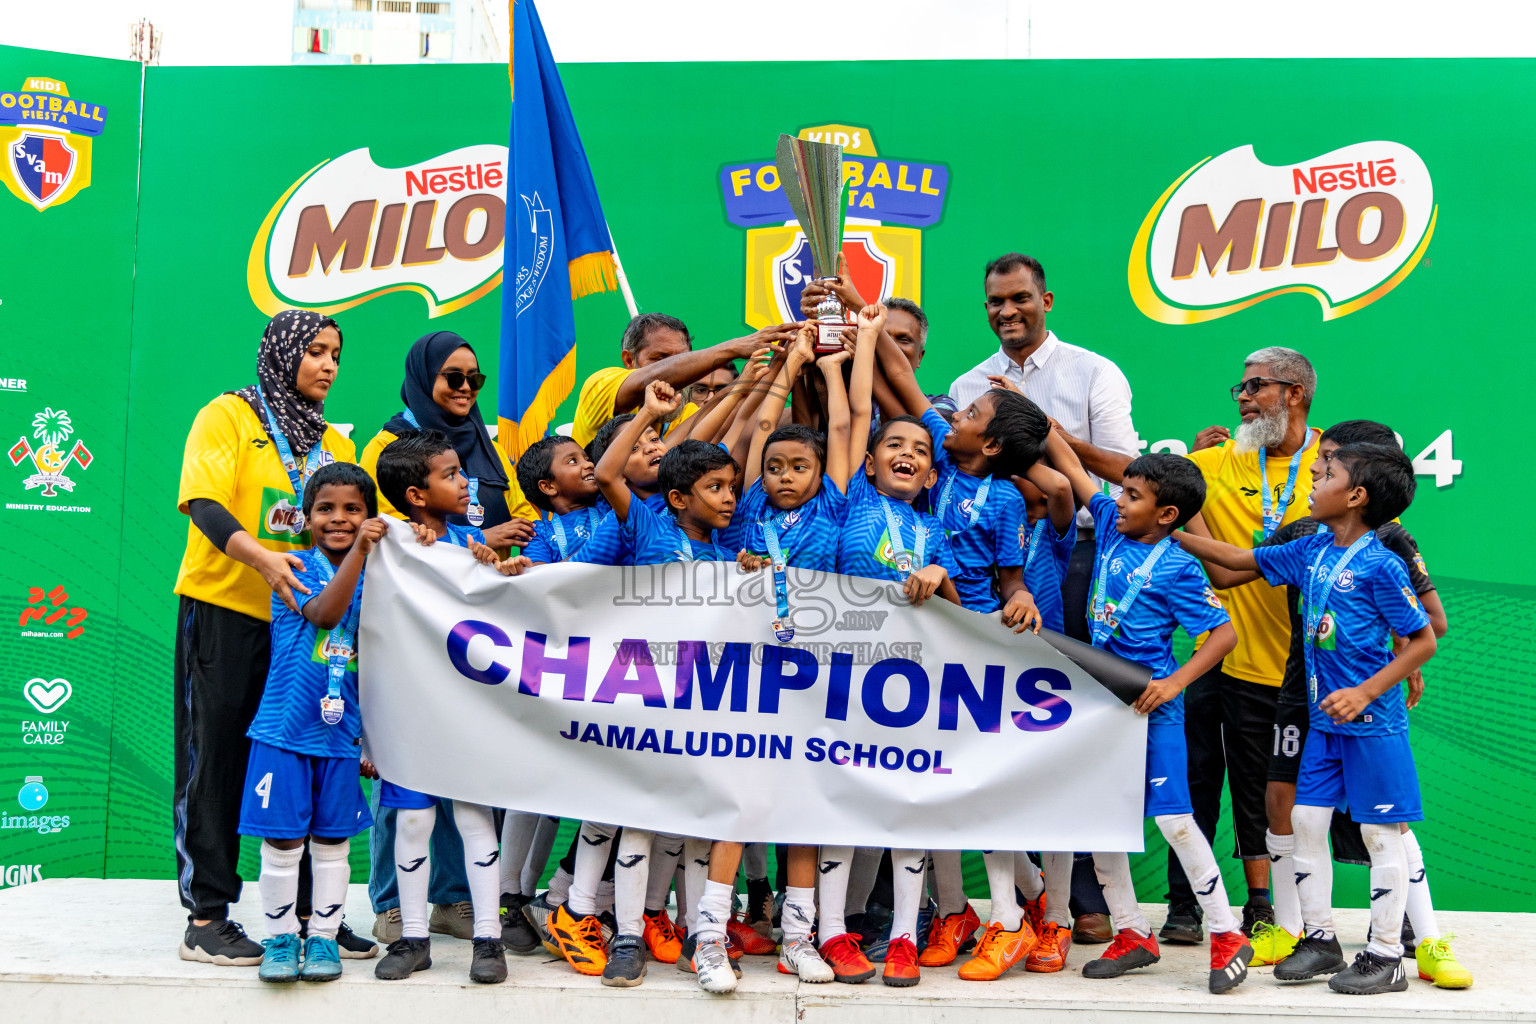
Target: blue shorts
{"type": "Point", "coordinates": [400, 798]}
{"type": "Point", "coordinates": [1371, 776]}
{"type": "Point", "coordinates": [289, 796]}
{"type": "Point", "coordinates": [1167, 767]}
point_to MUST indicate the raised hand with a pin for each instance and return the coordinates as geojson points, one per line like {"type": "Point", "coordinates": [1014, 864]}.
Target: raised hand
{"type": "Point", "coordinates": [872, 316]}
{"type": "Point", "coordinates": [661, 400]}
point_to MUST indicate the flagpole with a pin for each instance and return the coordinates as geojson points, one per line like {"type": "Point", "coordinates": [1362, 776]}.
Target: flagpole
{"type": "Point", "coordinates": [618, 266]}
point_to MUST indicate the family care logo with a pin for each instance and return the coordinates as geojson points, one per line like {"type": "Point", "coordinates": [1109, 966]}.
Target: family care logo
{"type": "Point", "coordinates": [889, 203]}
{"type": "Point", "coordinates": [47, 696]}
{"type": "Point", "coordinates": [1346, 228]}
{"type": "Point", "coordinates": [47, 138]}
{"type": "Point", "coordinates": [51, 430]}
{"type": "Point", "coordinates": [350, 230]}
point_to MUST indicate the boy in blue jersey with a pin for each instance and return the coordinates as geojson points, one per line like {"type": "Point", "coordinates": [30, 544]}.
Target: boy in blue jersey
{"type": "Point", "coordinates": [302, 777]}
{"type": "Point", "coordinates": [1144, 587]}
{"type": "Point", "coordinates": [606, 546]}
{"type": "Point", "coordinates": [420, 475]}
{"type": "Point", "coordinates": [558, 477]}
{"type": "Point", "coordinates": [1355, 594]}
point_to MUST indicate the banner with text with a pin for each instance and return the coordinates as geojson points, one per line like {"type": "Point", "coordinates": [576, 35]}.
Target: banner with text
{"type": "Point", "coordinates": [581, 691]}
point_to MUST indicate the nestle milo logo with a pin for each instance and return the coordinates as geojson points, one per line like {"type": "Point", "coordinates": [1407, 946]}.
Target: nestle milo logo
{"type": "Point", "coordinates": [350, 230]}
{"type": "Point", "coordinates": [1345, 227]}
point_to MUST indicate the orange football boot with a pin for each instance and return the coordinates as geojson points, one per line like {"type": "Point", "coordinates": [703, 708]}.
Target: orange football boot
{"type": "Point", "coordinates": [580, 942]}
{"type": "Point", "coordinates": [901, 963]}
{"type": "Point", "coordinates": [661, 937]}
{"type": "Point", "coordinates": [849, 965]}
{"type": "Point", "coordinates": [946, 935]}
{"type": "Point", "coordinates": [1050, 953]}
{"type": "Point", "coordinates": [998, 951]}
{"type": "Point", "coordinates": [748, 939]}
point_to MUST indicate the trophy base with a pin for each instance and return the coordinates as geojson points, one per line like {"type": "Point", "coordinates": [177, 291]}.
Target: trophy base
{"type": "Point", "coordinates": [829, 336]}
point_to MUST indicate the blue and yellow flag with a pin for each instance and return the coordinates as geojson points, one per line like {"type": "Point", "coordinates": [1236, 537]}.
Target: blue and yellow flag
{"type": "Point", "coordinates": [558, 248]}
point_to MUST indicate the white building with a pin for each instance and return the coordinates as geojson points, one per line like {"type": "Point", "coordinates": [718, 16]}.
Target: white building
{"type": "Point", "coordinates": [393, 32]}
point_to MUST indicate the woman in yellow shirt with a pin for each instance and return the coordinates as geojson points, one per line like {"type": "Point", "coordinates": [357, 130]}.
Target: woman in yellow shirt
{"type": "Point", "coordinates": [442, 382]}
{"type": "Point", "coordinates": [242, 476]}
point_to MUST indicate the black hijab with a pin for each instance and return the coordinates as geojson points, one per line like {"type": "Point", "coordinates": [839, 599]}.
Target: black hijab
{"type": "Point", "coordinates": [283, 345]}
{"type": "Point", "coordinates": [467, 433]}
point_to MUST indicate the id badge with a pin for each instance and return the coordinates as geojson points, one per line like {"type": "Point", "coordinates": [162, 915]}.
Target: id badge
{"type": "Point", "coordinates": [331, 710]}
{"type": "Point", "coordinates": [475, 515]}
{"type": "Point", "coordinates": [903, 564]}
{"type": "Point", "coordinates": [783, 631]}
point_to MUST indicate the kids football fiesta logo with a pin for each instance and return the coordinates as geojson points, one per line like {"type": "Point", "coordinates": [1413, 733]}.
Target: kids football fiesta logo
{"type": "Point", "coordinates": [889, 202]}
{"type": "Point", "coordinates": [47, 138]}
{"type": "Point", "coordinates": [1346, 228]}
{"type": "Point", "coordinates": [349, 230]}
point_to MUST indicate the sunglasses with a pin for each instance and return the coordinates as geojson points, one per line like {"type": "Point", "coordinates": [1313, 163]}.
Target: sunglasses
{"type": "Point", "coordinates": [457, 378]}
{"type": "Point", "coordinates": [1253, 385]}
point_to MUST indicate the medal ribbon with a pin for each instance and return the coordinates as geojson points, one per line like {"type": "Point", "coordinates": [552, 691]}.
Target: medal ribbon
{"type": "Point", "coordinates": [1272, 521]}
{"type": "Point", "coordinates": [780, 574]}
{"type": "Point", "coordinates": [920, 541]}
{"type": "Point", "coordinates": [976, 503]}
{"type": "Point", "coordinates": [1036, 540]}
{"type": "Point", "coordinates": [312, 462]}
{"type": "Point", "coordinates": [561, 542]}
{"type": "Point", "coordinates": [476, 514]}
{"type": "Point", "coordinates": [1102, 622]}
{"type": "Point", "coordinates": [341, 637]}
{"type": "Point", "coordinates": [1317, 602]}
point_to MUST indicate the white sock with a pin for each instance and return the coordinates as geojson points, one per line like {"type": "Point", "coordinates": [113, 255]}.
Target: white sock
{"type": "Point", "coordinates": [1026, 875]}
{"type": "Point", "coordinates": [538, 857]}
{"type": "Point", "coordinates": [948, 881]}
{"type": "Point", "coordinates": [1314, 869]}
{"type": "Point", "coordinates": [1421, 909]}
{"type": "Point", "coordinates": [1114, 873]}
{"type": "Point", "coordinates": [695, 874]}
{"type": "Point", "coordinates": [1389, 888]}
{"type": "Point", "coordinates": [477, 831]}
{"type": "Point", "coordinates": [559, 887]}
{"type": "Point", "coordinates": [799, 912]}
{"type": "Point", "coordinates": [591, 858]}
{"type": "Point", "coordinates": [665, 852]}
{"type": "Point", "coordinates": [714, 910]}
{"type": "Point", "coordinates": [279, 887]}
{"type": "Point", "coordinates": [1058, 887]}
{"type": "Point", "coordinates": [1005, 907]}
{"type": "Point", "coordinates": [631, 878]}
{"type": "Point", "coordinates": [328, 864]}
{"type": "Point", "coordinates": [861, 878]}
{"type": "Point", "coordinates": [413, 867]}
{"type": "Point", "coordinates": [833, 870]}
{"type": "Point", "coordinates": [754, 860]}
{"type": "Point", "coordinates": [1199, 863]}
{"type": "Point", "coordinates": [517, 832]}
{"type": "Point", "coordinates": [907, 870]}
{"type": "Point", "coordinates": [1282, 881]}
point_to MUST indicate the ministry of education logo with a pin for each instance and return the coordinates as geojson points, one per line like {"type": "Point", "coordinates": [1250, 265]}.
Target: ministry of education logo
{"type": "Point", "coordinates": [47, 138]}
{"type": "Point", "coordinates": [889, 201]}
{"type": "Point", "coordinates": [45, 452]}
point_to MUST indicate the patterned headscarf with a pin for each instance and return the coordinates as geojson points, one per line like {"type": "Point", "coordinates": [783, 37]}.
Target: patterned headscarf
{"type": "Point", "coordinates": [283, 345]}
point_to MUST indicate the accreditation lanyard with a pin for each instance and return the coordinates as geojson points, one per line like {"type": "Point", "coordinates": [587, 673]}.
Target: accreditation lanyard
{"type": "Point", "coordinates": [782, 629]}
{"type": "Point", "coordinates": [476, 511]}
{"type": "Point", "coordinates": [976, 503]}
{"type": "Point", "coordinates": [561, 541]}
{"type": "Point", "coordinates": [312, 462]}
{"type": "Point", "coordinates": [1317, 601]}
{"type": "Point", "coordinates": [1104, 621]}
{"type": "Point", "coordinates": [1272, 519]}
{"type": "Point", "coordinates": [686, 548]}
{"type": "Point", "coordinates": [332, 707]}
{"type": "Point", "coordinates": [905, 561]}
{"type": "Point", "coordinates": [1036, 541]}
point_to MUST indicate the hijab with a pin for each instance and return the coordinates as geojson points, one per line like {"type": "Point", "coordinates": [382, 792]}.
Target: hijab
{"type": "Point", "coordinates": [283, 344]}
{"type": "Point", "coordinates": [467, 434]}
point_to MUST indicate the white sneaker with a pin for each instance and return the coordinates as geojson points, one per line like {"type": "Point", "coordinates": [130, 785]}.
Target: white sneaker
{"type": "Point", "coordinates": [799, 956]}
{"type": "Point", "coordinates": [712, 964]}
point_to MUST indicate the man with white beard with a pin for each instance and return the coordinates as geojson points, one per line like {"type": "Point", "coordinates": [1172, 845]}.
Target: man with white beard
{"type": "Point", "coordinates": [1255, 482]}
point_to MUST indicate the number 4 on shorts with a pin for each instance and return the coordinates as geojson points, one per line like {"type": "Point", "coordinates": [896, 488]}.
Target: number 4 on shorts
{"type": "Point", "coordinates": [264, 789]}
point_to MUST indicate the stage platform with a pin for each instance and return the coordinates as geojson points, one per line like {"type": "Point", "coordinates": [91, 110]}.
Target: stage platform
{"type": "Point", "coordinates": [105, 951]}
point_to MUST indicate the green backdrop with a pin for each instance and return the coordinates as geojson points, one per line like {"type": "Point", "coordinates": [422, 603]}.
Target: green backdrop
{"type": "Point", "coordinates": [128, 307]}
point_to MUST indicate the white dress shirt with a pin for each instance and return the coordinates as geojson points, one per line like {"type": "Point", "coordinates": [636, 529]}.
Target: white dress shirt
{"type": "Point", "coordinates": [1083, 391]}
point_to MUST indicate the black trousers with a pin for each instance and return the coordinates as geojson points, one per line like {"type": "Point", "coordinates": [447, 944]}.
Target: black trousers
{"type": "Point", "coordinates": [1229, 727]}
{"type": "Point", "coordinates": [221, 666]}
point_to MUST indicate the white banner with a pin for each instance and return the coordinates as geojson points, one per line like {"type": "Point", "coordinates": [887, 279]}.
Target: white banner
{"type": "Point", "coordinates": [657, 697]}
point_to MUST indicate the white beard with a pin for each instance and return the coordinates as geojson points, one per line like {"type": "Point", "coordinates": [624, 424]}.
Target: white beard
{"type": "Point", "coordinates": [1267, 430]}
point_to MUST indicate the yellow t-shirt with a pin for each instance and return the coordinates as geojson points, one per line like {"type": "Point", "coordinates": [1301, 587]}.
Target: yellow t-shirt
{"type": "Point", "coordinates": [594, 406]}
{"type": "Point", "coordinates": [1234, 512]}
{"type": "Point", "coordinates": [517, 504]}
{"type": "Point", "coordinates": [231, 460]}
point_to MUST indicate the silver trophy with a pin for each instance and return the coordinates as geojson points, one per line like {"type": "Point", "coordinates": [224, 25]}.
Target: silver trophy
{"type": "Point", "coordinates": [811, 174]}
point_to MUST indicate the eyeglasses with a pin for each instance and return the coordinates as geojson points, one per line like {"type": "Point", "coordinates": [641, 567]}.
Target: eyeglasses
{"type": "Point", "coordinates": [457, 378]}
{"type": "Point", "coordinates": [1253, 385]}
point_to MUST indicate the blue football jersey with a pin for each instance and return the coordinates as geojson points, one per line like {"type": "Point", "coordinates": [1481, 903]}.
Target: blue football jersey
{"type": "Point", "coordinates": [807, 535]}
{"type": "Point", "coordinates": [1371, 600]}
{"type": "Point", "coordinates": [983, 517]}
{"type": "Point", "coordinates": [1046, 556]}
{"type": "Point", "coordinates": [552, 543]}
{"type": "Point", "coordinates": [866, 548]}
{"type": "Point", "coordinates": [299, 675]}
{"type": "Point", "coordinates": [1178, 594]}
{"type": "Point", "coordinates": [607, 545]}
{"type": "Point", "coordinates": [655, 537]}
{"type": "Point", "coordinates": [460, 536]}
